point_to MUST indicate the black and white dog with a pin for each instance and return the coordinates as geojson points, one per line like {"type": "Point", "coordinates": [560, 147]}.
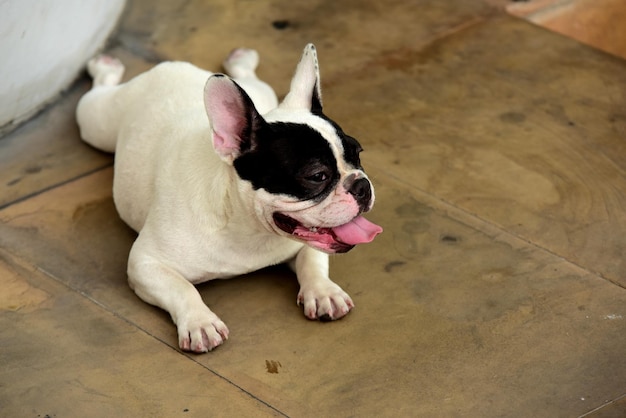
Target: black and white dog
{"type": "Point", "coordinates": [256, 183]}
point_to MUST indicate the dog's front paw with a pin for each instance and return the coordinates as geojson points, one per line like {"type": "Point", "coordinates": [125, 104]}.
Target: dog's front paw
{"type": "Point", "coordinates": [201, 332]}
{"type": "Point", "coordinates": [324, 300]}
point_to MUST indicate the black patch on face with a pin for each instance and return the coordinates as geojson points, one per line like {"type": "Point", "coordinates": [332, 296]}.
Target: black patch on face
{"type": "Point", "coordinates": [351, 147]}
{"type": "Point", "coordinates": [291, 159]}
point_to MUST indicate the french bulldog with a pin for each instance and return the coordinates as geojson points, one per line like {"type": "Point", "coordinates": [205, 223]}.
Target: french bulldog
{"type": "Point", "coordinates": [219, 180]}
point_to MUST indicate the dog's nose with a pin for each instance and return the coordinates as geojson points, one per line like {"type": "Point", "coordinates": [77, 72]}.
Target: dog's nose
{"type": "Point", "coordinates": [361, 189]}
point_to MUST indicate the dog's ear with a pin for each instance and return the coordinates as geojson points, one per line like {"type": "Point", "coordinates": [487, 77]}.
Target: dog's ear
{"type": "Point", "coordinates": [305, 91]}
{"type": "Point", "coordinates": [234, 119]}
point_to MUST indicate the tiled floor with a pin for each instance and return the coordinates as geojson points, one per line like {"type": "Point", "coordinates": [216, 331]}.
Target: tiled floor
{"type": "Point", "coordinates": [498, 288]}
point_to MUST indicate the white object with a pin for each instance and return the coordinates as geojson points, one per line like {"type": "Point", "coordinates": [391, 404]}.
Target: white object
{"type": "Point", "coordinates": [44, 46]}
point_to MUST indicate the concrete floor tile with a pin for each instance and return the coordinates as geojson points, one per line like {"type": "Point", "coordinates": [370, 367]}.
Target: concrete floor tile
{"type": "Point", "coordinates": [504, 327]}
{"type": "Point", "coordinates": [348, 33]}
{"type": "Point", "coordinates": [73, 233]}
{"type": "Point", "coordinates": [64, 356]}
{"type": "Point", "coordinates": [503, 321]}
{"type": "Point", "coordinates": [538, 152]}
{"type": "Point", "coordinates": [44, 152]}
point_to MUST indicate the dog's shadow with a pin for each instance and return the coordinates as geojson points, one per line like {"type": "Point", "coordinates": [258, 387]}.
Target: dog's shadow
{"type": "Point", "coordinates": [269, 291]}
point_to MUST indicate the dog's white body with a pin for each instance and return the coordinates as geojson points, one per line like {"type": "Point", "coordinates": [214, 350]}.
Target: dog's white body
{"type": "Point", "coordinates": [183, 203]}
{"type": "Point", "coordinates": [196, 219]}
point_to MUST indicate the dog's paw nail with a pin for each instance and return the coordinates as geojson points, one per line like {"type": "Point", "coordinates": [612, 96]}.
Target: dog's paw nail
{"type": "Point", "coordinates": [185, 344]}
{"type": "Point", "coordinates": [200, 348]}
{"type": "Point", "coordinates": [326, 318]}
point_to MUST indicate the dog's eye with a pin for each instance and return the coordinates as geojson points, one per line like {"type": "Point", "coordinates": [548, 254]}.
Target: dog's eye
{"type": "Point", "coordinates": [318, 177]}
{"type": "Point", "coordinates": [315, 178]}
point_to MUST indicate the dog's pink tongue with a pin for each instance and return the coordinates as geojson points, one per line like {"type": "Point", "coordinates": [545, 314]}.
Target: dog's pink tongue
{"type": "Point", "coordinates": [357, 231]}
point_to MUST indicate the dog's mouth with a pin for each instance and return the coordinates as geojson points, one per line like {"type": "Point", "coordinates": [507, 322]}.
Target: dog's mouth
{"type": "Point", "coordinates": [338, 239]}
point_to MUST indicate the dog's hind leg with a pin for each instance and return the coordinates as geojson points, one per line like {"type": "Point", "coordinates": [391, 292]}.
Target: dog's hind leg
{"type": "Point", "coordinates": [241, 65]}
{"type": "Point", "coordinates": [98, 112]}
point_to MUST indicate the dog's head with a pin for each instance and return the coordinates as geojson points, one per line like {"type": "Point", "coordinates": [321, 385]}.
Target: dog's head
{"type": "Point", "coordinates": [304, 171]}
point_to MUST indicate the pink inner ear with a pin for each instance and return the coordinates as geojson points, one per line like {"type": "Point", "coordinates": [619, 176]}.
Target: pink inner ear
{"type": "Point", "coordinates": [226, 111]}
{"type": "Point", "coordinates": [223, 146]}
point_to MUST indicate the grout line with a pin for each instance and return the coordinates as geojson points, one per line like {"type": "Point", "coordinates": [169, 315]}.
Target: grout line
{"type": "Point", "coordinates": [56, 185]}
{"type": "Point", "coordinates": [273, 408]}
{"type": "Point", "coordinates": [485, 226]}
{"type": "Point", "coordinates": [608, 403]}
